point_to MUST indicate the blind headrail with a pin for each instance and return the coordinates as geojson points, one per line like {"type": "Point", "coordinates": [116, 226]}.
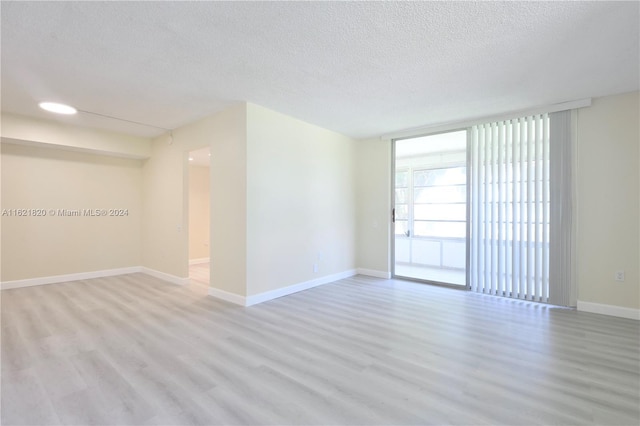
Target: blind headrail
{"type": "Point", "coordinates": [446, 127]}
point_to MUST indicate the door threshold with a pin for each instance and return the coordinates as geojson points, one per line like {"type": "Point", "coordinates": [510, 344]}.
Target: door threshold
{"type": "Point", "coordinates": [429, 282]}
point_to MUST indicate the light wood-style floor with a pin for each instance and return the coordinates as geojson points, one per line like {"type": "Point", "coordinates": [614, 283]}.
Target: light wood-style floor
{"type": "Point", "coordinates": [136, 350]}
{"type": "Point", "coordinates": [199, 273]}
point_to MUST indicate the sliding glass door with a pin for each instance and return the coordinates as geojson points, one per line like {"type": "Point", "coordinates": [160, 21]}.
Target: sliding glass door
{"type": "Point", "coordinates": [497, 199]}
{"type": "Point", "coordinates": [431, 208]}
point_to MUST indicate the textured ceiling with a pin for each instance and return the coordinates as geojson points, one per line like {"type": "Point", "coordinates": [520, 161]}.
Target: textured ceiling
{"type": "Point", "coordinates": [358, 68]}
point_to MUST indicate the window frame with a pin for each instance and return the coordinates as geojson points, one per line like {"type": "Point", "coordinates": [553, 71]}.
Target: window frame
{"type": "Point", "coordinates": [411, 169]}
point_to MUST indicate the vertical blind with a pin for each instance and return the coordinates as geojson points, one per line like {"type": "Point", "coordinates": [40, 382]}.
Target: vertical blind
{"type": "Point", "coordinates": [510, 208]}
{"type": "Point", "coordinates": [562, 284]}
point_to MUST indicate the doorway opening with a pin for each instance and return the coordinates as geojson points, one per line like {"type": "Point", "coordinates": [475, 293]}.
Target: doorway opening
{"type": "Point", "coordinates": [199, 216]}
{"type": "Point", "coordinates": [430, 208]}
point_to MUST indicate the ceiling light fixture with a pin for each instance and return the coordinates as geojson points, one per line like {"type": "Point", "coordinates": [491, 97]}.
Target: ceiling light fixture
{"type": "Point", "coordinates": [58, 108]}
{"type": "Point", "coordinates": [190, 158]}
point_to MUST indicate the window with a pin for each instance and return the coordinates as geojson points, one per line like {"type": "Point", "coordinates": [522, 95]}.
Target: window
{"type": "Point", "coordinates": [431, 203]}
{"type": "Point", "coordinates": [402, 202]}
{"type": "Point", "coordinates": [439, 202]}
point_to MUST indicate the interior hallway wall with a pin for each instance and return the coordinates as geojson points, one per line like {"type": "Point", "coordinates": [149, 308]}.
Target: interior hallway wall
{"type": "Point", "coordinates": [198, 212]}
{"type": "Point", "coordinates": [165, 242]}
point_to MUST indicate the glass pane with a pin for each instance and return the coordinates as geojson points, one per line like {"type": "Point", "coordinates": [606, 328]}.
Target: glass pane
{"type": "Point", "coordinates": [440, 212]}
{"type": "Point", "coordinates": [440, 229]}
{"type": "Point", "coordinates": [441, 194]}
{"type": "Point", "coordinates": [402, 195]}
{"type": "Point", "coordinates": [432, 144]}
{"type": "Point", "coordinates": [401, 179]}
{"type": "Point", "coordinates": [431, 202]}
{"type": "Point", "coordinates": [437, 177]}
{"type": "Point", "coordinates": [402, 211]}
{"type": "Point", "coordinates": [401, 227]}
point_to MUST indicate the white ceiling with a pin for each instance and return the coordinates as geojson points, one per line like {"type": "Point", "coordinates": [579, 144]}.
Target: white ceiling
{"type": "Point", "coordinates": [359, 68]}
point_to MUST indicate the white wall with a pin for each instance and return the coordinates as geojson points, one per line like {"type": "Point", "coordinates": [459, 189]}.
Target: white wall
{"type": "Point", "coordinates": [282, 198]}
{"type": "Point", "coordinates": [165, 188]}
{"type": "Point", "coordinates": [51, 179]}
{"type": "Point", "coordinates": [48, 164]}
{"type": "Point", "coordinates": [199, 200]}
{"type": "Point", "coordinates": [301, 207]}
{"type": "Point", "coordinates": [373, 189]}
{"type": "Point", "coordinates": [608, 192]}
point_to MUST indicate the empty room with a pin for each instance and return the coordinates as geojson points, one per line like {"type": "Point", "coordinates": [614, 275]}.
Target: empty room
{"type": "Point", "coordinates": [320, 213]}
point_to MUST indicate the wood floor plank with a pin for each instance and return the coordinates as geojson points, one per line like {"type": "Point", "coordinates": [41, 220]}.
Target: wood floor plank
{"type": "Point", "coordinates": [24, 400]}
{"type": "Point", "coordinates": [133, 349]}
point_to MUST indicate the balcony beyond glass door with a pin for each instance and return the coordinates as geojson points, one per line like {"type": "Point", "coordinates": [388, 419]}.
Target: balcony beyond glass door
{"type": "Point", "coordinates": [431, 209]}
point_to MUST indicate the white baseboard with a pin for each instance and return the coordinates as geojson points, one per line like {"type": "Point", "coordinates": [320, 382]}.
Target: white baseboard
{"type": "Point", "coordinates": [280, 292]}
{"type": "Point", "coordinates": [227, 296]}
{"type": "Point", "coordinates": [374, 273]}
{"type": "Point", "coordinates": [198, 261]}
{"type": "Point", "coordinates": [616, 311]}
{"type": "Point", "coordinates": [294, 288]}
{"type": "Point", "coordinates": [6, 285]}
{"type": "Point", "coordinates": [166, 277]}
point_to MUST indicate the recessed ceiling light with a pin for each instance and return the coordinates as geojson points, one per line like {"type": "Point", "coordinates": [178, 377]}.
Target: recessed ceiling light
{"type": "Point", "coordinates": [190, 158]}
{"type": "Point", "coordinates": [57, 108]}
